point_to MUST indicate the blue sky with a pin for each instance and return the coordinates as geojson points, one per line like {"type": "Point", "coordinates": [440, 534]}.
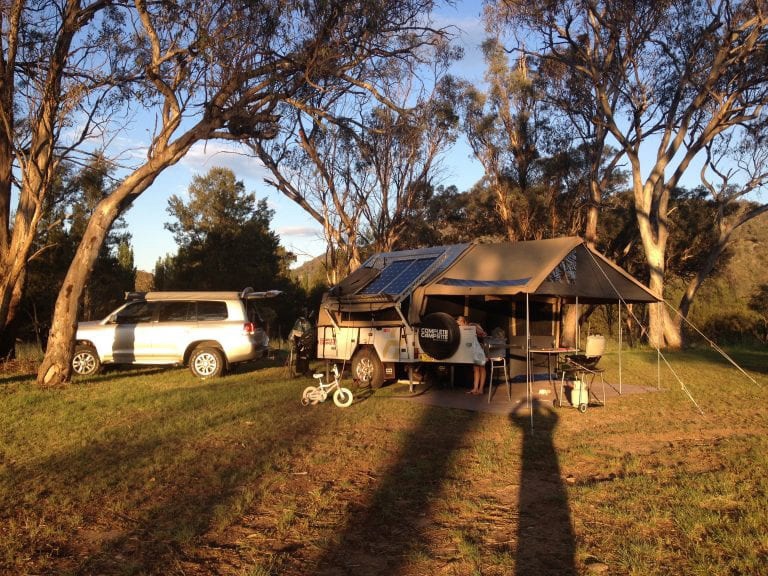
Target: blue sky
{"type": "Point", "coordinates": [297, 231]}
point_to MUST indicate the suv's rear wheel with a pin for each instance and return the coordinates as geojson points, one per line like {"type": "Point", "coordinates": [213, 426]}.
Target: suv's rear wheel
{"type": "Point", "coordinates": [86, 361]}
{"type": "Point", "coordinates": [206, 362]}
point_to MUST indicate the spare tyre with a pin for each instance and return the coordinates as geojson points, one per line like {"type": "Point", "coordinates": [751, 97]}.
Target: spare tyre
{"type": "Point", "coordinates": [439, 335]}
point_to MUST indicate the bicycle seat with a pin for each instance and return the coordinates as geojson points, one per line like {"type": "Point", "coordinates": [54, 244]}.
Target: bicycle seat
{"type": "Point", "coordinates": [317, 376]}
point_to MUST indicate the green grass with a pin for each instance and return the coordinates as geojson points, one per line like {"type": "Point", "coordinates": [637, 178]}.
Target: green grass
{"type": "Point", "coordinates": [153, 472]}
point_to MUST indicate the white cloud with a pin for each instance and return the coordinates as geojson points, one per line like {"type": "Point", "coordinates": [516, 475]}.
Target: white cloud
{"type": "Point", "coordinates": [206, 155]}
{"type": "Point", "coordinates": [301, 231]}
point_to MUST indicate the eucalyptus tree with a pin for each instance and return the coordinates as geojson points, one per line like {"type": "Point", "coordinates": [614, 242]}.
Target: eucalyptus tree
{"type": "Point", "coordinates": [504, 126]}
{"type": "Point", "coordinates": [317, 166]}
{"type": "Point", "coordinates": [363, 168]}
{"type": "Point", "coordinates": [75, 71]}
{"type": "Point", "coordinates": [65, 215]}
{"type": "Point", "coordinates": [667, 79]}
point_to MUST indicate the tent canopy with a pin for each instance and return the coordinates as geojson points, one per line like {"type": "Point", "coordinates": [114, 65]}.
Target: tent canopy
{"type": "Point", "coordinates": [559, 268]}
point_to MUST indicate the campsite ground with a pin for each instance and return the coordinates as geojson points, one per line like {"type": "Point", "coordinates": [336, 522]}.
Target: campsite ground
{"type": "Point", "coordinates": [153, 472]}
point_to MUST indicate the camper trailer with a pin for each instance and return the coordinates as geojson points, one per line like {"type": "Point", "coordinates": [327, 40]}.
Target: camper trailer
{"type": "Point", "coordinates": [398, 310]}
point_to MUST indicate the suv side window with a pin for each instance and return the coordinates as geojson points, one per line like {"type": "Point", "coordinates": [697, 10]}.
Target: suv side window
{"type": "Point", "coordinates": [135, 313]}
{"type": "Point", "coordinates": [207, 310]}
{"type": "Point", "coordinates": [176, 311]}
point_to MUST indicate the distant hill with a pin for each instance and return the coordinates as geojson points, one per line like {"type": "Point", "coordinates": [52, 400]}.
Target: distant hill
{"type": "Point", "coordinates": [749, 266]}
{"type": "Point", "coordinates": [311, 273]}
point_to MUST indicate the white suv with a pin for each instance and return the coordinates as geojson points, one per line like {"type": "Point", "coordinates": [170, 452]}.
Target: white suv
{"type": "Point", "coordinates": [206, 330]}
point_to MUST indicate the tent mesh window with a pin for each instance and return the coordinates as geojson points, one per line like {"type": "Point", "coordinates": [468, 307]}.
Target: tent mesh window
{"type": "Point", "coordinates": [565, 272]}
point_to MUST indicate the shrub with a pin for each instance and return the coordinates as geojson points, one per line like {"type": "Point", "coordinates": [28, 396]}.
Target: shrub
{"type": "Point", "coordinates": [732, 328]}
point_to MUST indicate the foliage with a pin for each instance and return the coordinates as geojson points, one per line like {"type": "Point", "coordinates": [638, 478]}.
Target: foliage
{"type": "Point", "coordinates": [217, 204]}
{"type": "Point", "coordinates": [225, 243]}
{"type": "Point", "coordinates": [734, 328]}
{"type": "Point", "coordinates": [758, 303]}
{"type": "Point", "coordinates": [452, 217]}
{"type": "Point", "coordinates": [223, 237]}
{"type": "Point", "coordinates": [365, 170]}
{"type": "Point", "coordinates": [76, 195]}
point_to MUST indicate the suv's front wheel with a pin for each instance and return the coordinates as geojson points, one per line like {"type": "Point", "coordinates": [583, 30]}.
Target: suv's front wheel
{"type": "Point", "coordinates": [86, 361]}
{"type": "Point", "coordinates": [206, 362]}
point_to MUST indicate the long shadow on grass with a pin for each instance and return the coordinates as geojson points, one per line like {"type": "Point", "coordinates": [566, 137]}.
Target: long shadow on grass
{"type": "Point", "coordinates": [379, 537]}
{"type": "Point", "coordinates": [166, 481]}
{"type": "Point", "coordinates": [545, 539]}
{"type": "Point", "coordinates": [16, 379]}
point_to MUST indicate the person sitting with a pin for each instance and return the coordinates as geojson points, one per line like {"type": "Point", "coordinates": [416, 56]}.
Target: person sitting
{"type": "Point", "coordinates": [478, 356]}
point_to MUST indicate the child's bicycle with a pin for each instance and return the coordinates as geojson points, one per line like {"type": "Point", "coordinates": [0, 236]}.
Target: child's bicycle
{"type": "Point", "coordinates": [342, 397]}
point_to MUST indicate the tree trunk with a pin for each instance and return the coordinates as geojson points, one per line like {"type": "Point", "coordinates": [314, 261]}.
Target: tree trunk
{"type": "Point", "coordinates": [629, 323]}
{"type": "Point", "coordinates": [663, 330]}
{"type": "Point", "coordinates": [56, 368]}
{"type": "Point", "coordinates": [14, 265]}
{"type": "Point", "coordinates": [8, 341]}
{"type": "Point", "coordinates": [11, 325]}
{"type": "Point", "coordinates": [651, 201]}
{"type": "Point", "coordinates": [593, 214]}
{"type": "Point", "coordinates": [570, 326]}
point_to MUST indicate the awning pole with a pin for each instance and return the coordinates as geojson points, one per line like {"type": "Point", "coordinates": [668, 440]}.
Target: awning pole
{"type": "Point", "coordinates": [578, 325]}
{"type": "Point", "coordinates": [621, 340]}
{"type": "Point", "coordinates": [658, 368]}
{"type": "Point", "coordinates": [658, 351]}
{"type": "Point", "coordinates": [528, 358]}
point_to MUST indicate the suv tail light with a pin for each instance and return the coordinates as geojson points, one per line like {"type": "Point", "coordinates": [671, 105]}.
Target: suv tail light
{"type": "Point", "coordinates": [249, 328]}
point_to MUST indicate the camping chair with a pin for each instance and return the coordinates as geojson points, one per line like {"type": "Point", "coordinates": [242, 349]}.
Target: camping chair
{"type": "Point", "coordinates": [496, 352]}
{"type": "Point", "coordinates": [583, 366]}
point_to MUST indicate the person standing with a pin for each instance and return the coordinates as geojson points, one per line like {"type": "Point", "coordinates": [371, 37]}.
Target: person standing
{"type": "Point", "coordinates": [478, 356]}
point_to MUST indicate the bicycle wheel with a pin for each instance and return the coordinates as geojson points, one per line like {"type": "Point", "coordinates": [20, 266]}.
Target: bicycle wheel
{"type": "Point", "coordinates": [342, 397]}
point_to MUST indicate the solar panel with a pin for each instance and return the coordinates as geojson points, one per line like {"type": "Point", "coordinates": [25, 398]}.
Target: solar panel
{"type": "Point", "coordinates": [398, 276]}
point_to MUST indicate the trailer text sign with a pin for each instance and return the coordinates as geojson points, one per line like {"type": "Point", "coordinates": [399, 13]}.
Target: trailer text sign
{"type": "Point", "coordinates": [439, 335]}
{"type": "Point", "coordinates": [434, 334]}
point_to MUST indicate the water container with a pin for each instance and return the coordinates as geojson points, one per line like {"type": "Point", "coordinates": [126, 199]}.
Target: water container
{"type": "Point", "coordinates": [579, 393]}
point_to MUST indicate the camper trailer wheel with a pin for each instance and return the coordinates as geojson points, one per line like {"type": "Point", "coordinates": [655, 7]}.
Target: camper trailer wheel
{"type": "Point", "coordinates": [582, 408]}
{"type": "Point", "coordinates": [367, 367]}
